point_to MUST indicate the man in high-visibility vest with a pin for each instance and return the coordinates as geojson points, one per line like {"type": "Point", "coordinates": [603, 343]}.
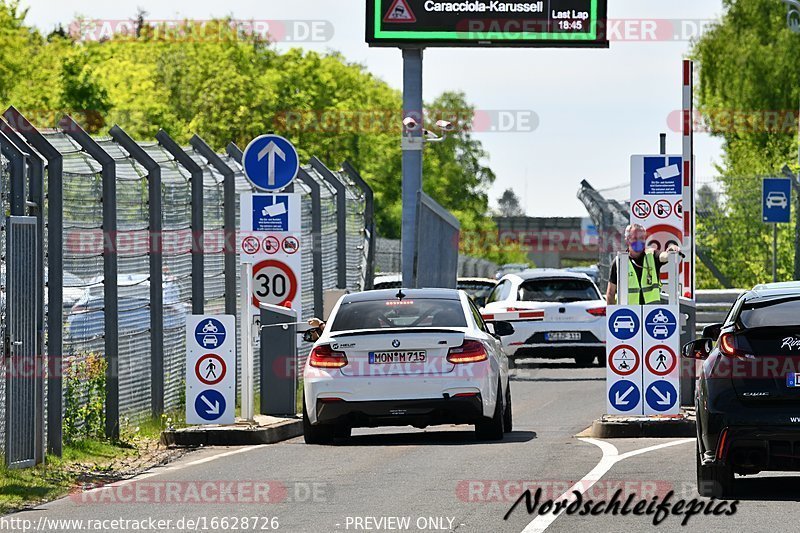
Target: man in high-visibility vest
{"type": "Point", "coordinates": [644, 284]}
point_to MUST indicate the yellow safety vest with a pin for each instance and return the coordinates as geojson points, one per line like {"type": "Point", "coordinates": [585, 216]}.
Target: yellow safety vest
{"type": "Point", "coordinates": [649, 287]}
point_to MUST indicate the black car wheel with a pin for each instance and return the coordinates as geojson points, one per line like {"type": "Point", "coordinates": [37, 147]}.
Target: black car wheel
{"type": "Point", "coordinates": [492, 428]}
{"type": "Point", "coordinates": [315, 434]}
{"type": "Point", "coordinates": [713, 481]}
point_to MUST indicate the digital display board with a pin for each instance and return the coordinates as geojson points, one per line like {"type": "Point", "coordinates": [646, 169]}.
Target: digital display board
{"type": "Point", "coordinates": [519, 23]}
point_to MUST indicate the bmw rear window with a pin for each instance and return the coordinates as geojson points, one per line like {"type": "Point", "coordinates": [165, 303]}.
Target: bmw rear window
{"type": "Point", "coordinates": [407, 313]}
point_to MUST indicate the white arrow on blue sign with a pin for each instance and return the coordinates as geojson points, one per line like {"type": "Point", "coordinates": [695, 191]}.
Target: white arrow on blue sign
{"type": "Point", "coordinates": [624, 395]}
{"type": "Point", "coordinates": [270, 162]}
{"type": "Point", "coordinates": [210, 405]}
{"type": "Point", "coordinates": [661, 396]}
{"type": "Point", "coordinates": [776, 200]}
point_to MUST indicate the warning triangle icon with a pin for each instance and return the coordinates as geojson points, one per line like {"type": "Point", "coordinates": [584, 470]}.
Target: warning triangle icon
{"type": "Point", "coordinates": [399, 12]}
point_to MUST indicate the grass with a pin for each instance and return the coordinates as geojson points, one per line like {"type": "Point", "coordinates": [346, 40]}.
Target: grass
{"type": "Point", "coordinates": [54, 478]}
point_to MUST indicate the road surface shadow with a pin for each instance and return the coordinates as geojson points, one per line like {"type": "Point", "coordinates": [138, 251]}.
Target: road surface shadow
{"type": "Point", "coordinates": [523, 377]}
{"type": "Point", "coordinates": [783, 489]}
{"type": "Point", "coordinates": [566, 364]}
{"type": "Point", "coordinates": [431, 438]}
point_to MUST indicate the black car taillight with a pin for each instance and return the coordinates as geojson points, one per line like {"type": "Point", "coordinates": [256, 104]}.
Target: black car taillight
{"type": "Point", "coordinates": [728, 346]}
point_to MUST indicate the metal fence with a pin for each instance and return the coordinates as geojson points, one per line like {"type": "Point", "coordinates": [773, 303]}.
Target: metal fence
{"type": "Point", "coordinates": [147, 238]}
{"type": "Point", "coordinates": [387, 261]}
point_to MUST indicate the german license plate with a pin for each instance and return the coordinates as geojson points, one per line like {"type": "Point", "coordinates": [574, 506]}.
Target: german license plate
{"type": "Point", "coordinates": [562, 336]}
{"type": "Point", "coordinates": [384, 358]}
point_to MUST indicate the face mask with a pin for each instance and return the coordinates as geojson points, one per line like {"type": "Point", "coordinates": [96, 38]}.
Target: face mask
{"type": "Point", "coordinates": [637, 246]}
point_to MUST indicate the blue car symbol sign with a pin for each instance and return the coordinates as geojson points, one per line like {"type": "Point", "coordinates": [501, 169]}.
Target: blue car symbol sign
{"type": "Point", "coordinates": [660, 323]}
{"type": "Point", "coordinates": [210, 333]}
{"type": "Point", "coordinates": [623, 324]}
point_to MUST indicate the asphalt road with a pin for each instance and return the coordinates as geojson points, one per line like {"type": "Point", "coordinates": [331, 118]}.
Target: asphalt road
{"type": "Point", "coordinates": [439, 479]}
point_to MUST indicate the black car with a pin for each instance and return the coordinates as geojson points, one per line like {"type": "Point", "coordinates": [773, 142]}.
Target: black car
{"type": "Point", "coordinates": [748, 389]}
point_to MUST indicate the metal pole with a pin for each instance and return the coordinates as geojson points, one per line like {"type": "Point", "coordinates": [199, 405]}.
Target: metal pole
{"type": "Point", "coordinates": [622, 278]}
{"type": "Point", "coordinates": [55, 277]}
{"type": "Point", "coordinates": [774, 253]}
{"type": "Point", "coordinates": [663, 144]}
{"type": "Point", "coordinates": [247, 341]}
{"type": "Point", "coordinates": [672, 271]}
{"type": "Point", "coordinates": [369, 221]}
{"type": "Point", "coordinates": [110, 292]}
{"type": "Point", "coordinates": [412, 159]}
{"type": "Point", "coordinates": [156, 265]}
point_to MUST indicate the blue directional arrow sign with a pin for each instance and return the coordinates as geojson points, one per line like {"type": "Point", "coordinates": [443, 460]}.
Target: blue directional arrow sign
{"type": "Point", "coordinates": [661, 396]}
{"type": "Point", "coordinates": [776, 200]}
{"type": "Point", "coordinates": [210, 405]}
{"type": "Point", "coordinates": [270, 162]}
{"type": "Point", "coordinates": [624, 395]}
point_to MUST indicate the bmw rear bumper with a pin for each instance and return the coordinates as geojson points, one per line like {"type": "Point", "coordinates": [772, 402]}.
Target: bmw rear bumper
{"type": "Point", "coordinates": [452, 410]}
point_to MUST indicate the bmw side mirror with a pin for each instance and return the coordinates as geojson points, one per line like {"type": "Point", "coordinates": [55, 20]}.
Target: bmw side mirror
{"type": "Point", "coordinates": [697, 349]}
{"type": "Point", "coordinates": [503, 328]}
{"type": "Point", "coordinates": [712, 331]}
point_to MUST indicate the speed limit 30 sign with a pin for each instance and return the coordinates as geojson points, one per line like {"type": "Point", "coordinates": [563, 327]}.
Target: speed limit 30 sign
{"type": "Point", "coordinates": [275, 282]}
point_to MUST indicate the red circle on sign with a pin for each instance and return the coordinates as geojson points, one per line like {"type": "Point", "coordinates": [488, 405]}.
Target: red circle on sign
{"type": "Point", "coordinates": [662, 208]}
{"type": "Point", "coordinates": [613, 367]}
{"type": "Point", "coordinates": [290, 245]}
{"type": "Point", "coordinates": [198, 371]}
{"type": "Point", "coordinates": [284, 269]}
{"type": "Point", "coordinates": [678, 208]}
{"type": "Point", "coordinates": [672, 364]}
{"type": "Point", "coordinates": [271, 245]}
{"type": "Point", "coordinates": [641, 209]}
{"type": "Point", "coordinates": [250, 245]}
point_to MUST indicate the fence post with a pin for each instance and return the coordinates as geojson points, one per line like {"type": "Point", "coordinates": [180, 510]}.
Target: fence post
{"type": "Point", "coordinates": [341, 221]}
{"type": "Point", "coordinates": [110, 302]}
{"type": "Point", "coordinates": [36, 194]}
{"type": "Point", "coordinates": [316, 239]}
{"type": "Point", "coordinates": [229, 218]}
{"type": "Point", "coordinates": [369, 221]}
{"type": "Point", "coordinates": [55, 276]}
{"type": "Point", "coordinates": [198, 231]}
{"type": "Point", "coordinates": [156, 265]}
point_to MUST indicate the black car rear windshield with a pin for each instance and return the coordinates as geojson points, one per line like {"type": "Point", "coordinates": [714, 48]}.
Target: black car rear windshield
{"type": "Point", "coordinates": [773, 312]}
{"type": "Point", "coordinates": [380, 314]}
{"type": "Point", "coordinates": [562, 290]}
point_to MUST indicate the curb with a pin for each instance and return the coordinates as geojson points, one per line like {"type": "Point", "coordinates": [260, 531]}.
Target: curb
{"type": "Point", "coordinates": [233, 435]}
{"type": "Point", "coordinates": [638, 429]}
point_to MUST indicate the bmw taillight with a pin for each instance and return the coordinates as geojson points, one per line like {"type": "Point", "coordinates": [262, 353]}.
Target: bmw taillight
{"type": "Point", "coordinates": [323, 356]}
{"type": "Point", "coordinates": [597, 311]}
{"type": "Point", "coordinates": [727, 345]}
{"type": "Point", "coordinates": [468, 352]}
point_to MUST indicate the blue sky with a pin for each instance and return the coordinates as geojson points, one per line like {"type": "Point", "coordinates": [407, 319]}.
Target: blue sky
{"type": "Point", "coordinates": [595, 107]}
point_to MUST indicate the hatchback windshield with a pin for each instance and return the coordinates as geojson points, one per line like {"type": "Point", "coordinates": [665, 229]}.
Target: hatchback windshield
{"type": "Point", "coordinates": [557, 290]}
{"type": "Point", "coordinates": [380, 314]}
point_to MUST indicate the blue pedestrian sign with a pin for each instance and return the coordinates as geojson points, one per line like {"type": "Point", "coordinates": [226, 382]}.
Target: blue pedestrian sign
{"type": "Point", "coordinates": [661, 396]}
{"type": "Point", "coordinates": [623, 324]}
{"type": "Point", "coordinates": [776, 200]}
{"type": "Point", "coordinates": [210, 333]}
{"type": "Point", "coordinates": [270, 162]}
{"type": "Point", "coordinates": [210, 405]}
{"type": "Point", "coordinates": [660, 323]}
{"type": "Point", "coordinates": [624, 395]}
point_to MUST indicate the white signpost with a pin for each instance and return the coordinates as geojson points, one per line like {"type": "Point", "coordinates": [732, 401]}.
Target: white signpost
{"type": "Point", "coordinates": [210, 369]}
{"type": "Point", "coordinates": [661, 349]}
{"type": "Point", "coordinates": [624, 360]}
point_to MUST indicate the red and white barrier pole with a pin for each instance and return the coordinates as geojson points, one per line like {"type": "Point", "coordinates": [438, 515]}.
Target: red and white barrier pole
{"type": "Point", "coordinates": [688, 181]}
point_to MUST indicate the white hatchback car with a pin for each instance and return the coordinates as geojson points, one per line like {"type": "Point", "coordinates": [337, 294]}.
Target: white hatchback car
{"type": "Point", "coordinates": [401, 357]}
{"type": "Point", "coordinates": [574, 324]}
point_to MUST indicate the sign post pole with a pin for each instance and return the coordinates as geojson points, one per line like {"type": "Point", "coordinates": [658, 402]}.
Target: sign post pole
{"type": "Point", "coordinates": [247, 341]}
{"type": "Point", "coordinates": [622, 278]}
{"type": "Point", "coordinates": [412, 159]}
{"type": "Point", "coordinates": [774, 253]}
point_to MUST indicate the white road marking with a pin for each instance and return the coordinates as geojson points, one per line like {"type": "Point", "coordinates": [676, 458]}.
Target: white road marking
{"type": "Point", "coordinates": [611, 456]}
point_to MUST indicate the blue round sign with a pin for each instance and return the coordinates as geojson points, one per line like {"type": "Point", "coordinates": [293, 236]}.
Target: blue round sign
{"type": "Point", "coordinates": [624, 395]}
{"type": "Point", "coordinates": [210, 333]}
{"type": "Point", "coordinates": [660, 323]}
{"type": "Point", "coordinates": [623, 324]}
{"type": "Point", "coordinates": [210, 405]}
{"type": "Point", "coordinates": [270, 162]}
{"type": "Point", "coordinates": [661, 396]}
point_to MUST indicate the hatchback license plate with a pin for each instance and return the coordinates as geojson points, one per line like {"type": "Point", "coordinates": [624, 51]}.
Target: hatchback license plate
{"type": "Point", "coordinates": [384, 358]}
{"type": "Point", "coordinates": [563, 336]}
